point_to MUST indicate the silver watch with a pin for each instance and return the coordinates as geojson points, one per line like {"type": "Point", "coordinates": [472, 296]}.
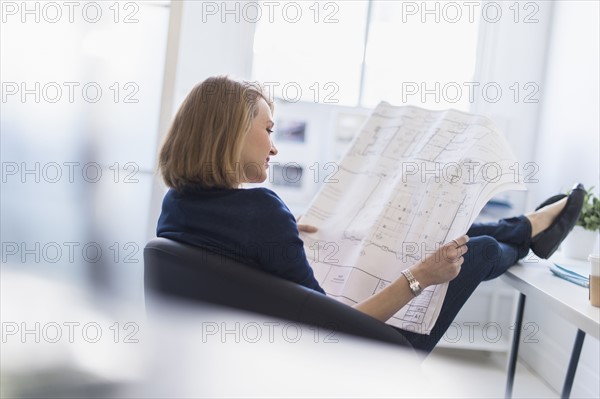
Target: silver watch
{"type": "Point", "coordinates": [414, 285]}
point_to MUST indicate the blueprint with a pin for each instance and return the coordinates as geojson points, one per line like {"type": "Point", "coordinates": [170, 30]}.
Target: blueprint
{"type": "Point", "coordinates": [411, 180]}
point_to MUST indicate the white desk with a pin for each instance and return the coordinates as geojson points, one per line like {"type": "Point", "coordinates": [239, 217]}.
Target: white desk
{"type": "Point", "coordinates": [534, 279]}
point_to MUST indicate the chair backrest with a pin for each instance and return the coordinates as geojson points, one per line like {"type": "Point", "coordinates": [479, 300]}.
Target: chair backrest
{"type": "Point", "coordinates": [192, 273]}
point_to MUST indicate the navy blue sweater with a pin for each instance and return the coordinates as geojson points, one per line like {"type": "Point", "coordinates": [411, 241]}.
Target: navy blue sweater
{"type": "Point", "coordinates": [250, 225]}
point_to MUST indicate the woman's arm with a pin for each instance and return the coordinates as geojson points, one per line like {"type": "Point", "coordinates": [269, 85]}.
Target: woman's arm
{"type": "Point", "coordinates": [442, 266]}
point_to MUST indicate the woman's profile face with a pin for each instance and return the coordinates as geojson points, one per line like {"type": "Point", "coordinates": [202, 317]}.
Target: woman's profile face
{"type": "Point", "coordinates": [258, 147]}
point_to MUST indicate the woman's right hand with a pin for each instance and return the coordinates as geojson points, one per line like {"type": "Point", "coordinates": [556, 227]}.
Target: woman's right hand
{"type": "Point", "coordinates": [443, 265]}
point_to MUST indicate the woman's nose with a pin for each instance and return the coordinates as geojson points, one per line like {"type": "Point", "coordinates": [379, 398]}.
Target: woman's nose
{"type": "Point", "coordinates": [273, 149]}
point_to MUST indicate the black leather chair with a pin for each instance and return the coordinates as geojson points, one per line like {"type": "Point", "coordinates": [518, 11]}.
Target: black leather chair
{"type": "Point", "coordinates": [186, 272]}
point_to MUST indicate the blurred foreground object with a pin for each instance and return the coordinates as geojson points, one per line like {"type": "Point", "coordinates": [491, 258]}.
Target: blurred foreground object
{"type": "Point", "coordinates": [58, 343]}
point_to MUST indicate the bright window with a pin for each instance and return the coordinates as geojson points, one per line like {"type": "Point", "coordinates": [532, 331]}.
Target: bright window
{"type": "Point", "coordinates": [428, 63]}
{"type": "Point", "coordinates": [424, 56]}
{"type": "Point", "coordinates": [319, 57]}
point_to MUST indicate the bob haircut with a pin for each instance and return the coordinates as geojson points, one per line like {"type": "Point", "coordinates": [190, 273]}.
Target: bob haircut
{"type": "Point", "coordinates": [204, 143]}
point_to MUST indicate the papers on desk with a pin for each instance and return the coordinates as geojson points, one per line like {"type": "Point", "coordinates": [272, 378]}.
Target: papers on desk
{"type": "Point", "coordinates": [569, 275]}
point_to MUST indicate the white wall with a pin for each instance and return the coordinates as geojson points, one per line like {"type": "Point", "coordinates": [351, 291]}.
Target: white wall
{"type": "Point", "coordinates": [512, 55]}
{"type": "Point", "coordinates": [568, 139]}
{"type": "Point", "coordinates": [209, 47]}
{"type": "Point", "coordinates": [567, 151]}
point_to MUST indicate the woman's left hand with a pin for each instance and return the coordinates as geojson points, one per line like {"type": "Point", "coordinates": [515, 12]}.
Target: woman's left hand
{"type": "Point", "coordinates": [306, 228]}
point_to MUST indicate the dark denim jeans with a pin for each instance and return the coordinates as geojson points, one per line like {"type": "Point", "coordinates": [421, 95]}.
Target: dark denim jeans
{"type": "Point", "coordinates": [493, 248]}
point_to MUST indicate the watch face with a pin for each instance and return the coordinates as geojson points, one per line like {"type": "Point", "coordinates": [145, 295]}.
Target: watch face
{"type": "Point", "coordinates": [413, 284]}
{"type": "Point", "coordinates": [416, 288]}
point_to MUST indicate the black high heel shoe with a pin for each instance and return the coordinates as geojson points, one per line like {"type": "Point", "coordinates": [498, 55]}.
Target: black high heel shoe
{"type": "Point", "coordinates": [546, 243]}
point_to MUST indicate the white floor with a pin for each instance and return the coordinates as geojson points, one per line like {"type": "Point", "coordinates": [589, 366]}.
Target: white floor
{"type": "Point", "coordinates": [487, 375]}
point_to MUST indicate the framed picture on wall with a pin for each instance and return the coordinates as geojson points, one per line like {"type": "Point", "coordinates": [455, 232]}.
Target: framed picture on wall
{"type": "Point", "coordinates": [287, 175]}
{"type": "Point", "coordinates": [289, 130]}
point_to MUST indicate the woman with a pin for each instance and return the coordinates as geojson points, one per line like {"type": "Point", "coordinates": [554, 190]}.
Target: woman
{"type": "Point", "coordinates": [220, 139]}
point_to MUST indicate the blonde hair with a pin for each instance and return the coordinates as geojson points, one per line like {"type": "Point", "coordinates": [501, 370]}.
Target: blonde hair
{"type": "Point", "coordinates": [204, 143]}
